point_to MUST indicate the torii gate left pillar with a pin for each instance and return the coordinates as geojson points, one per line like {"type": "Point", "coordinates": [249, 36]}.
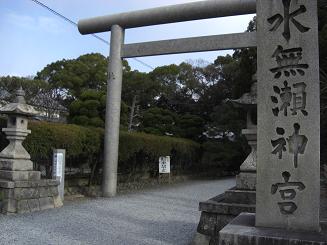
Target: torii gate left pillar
{"type": "Point", "coordinates": [113, 104]}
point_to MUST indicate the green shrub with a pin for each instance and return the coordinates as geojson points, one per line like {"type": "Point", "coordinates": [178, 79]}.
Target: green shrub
{"type": "Point", "coordinates": [138, 152]}
{"type": "Point", "coordinates": [224, 154]}
{"type": "Point", "coordinates": [84, 145]}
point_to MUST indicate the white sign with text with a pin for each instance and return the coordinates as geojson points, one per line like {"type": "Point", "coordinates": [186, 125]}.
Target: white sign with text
{"type": "Point", "coordinates": [164, 165]}
{"type": "Point", "coordinates": [58, 159]}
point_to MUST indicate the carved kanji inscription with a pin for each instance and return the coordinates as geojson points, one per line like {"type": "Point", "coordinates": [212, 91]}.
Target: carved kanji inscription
{"type": "Point", "coordinates": [296, 143]}
{"type": "Point", "coordinates": [287, 191]}
{"type": "Point", "coordinates": [290, 98]}
{"type": "Point", "coordinates": [288, 62]}
{"type": "Point", "coordinates": [287, 17]}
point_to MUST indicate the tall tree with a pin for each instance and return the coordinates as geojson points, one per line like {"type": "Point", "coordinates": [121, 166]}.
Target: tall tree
{"type": "Point", "coordinates": [69, 78]}
{"type": "Point", "coordinates": [139, 92]}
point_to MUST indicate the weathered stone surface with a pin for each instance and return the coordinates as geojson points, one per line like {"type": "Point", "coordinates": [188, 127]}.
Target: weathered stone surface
{"type": "Point", "coordinates": [8, 206]}
{"type": "Point", "coordinates": [242, 231]}
{"type": "Point", "coordinates": [207, 224]}
{"type": "Point", "coordinates": [6, 184]}
{"type": "Point", "coordinates": [221, 207]}
{"type": "Point", "coordinates": [250, 163]}
{"type": "Point", "coordinates": [28, 196]}
{"type": "Point", "coordinates": [246, 181]}
{"type": "Point", "coordinates": [16, 164]}
{"type": "Point", "coordinates": [212, 223]}
{"type": "Point", "coordinates": [33, 204]}
{"type": "Point", "coordinates": [240, 196]}
{"type": "Point", "coordinates": [7, 193]}
{"type": "Point", "coordinates": [53, 182]}
{"type": "Point", "coordinates": [220, 210]}
{"type": "Point", "coordinates": [57, 201]}
{"type": "Point", "coordinates": [323, 226]}
{"type": "Point", "coordinates": [19, 175]}
{"type": "Point", "coordinates": [46, 203]}
{"type": "Point", "coordinates": [36, 183]}
{"type": "Point", "coordinates": [200, 239]}
{"type": "Point", "coordinates": [22, 206]}
{"type": "Point", "coordinates": [288, 115]}
{"type": "Point", "coordinates": [15, 149]}
{"type": "Point", "coordinates": [44, 192]}
{"type": "Point", "coordinates": [26, 193]}
{"type": "Point", "coordinates": [34, 175]}
{"type": "Point", "coordinates": [230, 208]}
{"type": "Point", "coordinates": [53, 190]}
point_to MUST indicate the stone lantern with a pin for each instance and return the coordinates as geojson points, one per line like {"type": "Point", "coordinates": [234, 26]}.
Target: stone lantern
{"type": "Point", "coordinates": [14, 158]}
{"type": "Point", "coordinates": [246, 180]}
{"type": "Point", "coordinates": [220, 210]}
{"type": "Point", "coordinates": [21, 188]}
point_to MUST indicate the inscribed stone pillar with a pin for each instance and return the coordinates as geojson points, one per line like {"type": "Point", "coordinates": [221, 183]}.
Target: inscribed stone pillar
{"type": "Point", "coordinates": [288, 179]}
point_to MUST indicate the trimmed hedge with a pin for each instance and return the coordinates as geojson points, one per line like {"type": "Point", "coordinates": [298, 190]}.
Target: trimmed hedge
{"type": "Point", "coordinates": [82, 144]}
{"type": "Point", "coordinates": [138, 152]}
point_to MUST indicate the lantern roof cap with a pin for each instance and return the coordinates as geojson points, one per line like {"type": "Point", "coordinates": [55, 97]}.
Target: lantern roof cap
{"type": "Point", "coordinates": [19, 106]}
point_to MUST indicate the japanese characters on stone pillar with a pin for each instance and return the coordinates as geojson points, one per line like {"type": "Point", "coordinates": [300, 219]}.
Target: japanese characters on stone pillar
{"type": "Point", "coordinates": [288, 180]}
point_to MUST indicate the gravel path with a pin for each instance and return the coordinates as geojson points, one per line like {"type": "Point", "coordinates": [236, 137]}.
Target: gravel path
{"type": "Point", "coordinates": [168, 215]}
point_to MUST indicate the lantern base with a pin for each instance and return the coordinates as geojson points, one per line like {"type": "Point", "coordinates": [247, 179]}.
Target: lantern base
{"type": "Point", "coordinates": [28, 196]}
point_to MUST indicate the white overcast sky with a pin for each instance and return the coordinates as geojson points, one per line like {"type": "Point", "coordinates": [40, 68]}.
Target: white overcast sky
{"type": "Point", "coordinates": [32, 37]}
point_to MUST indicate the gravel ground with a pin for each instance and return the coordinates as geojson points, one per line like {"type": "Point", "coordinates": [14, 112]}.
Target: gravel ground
{"type": "Point", "coordinates": [167, 215]}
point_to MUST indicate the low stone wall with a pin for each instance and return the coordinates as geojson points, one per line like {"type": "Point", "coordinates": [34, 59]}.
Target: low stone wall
{"type": "Point", "coordinates": [76, 186]}
{"type": "Point", "coordinates": [28, 196]}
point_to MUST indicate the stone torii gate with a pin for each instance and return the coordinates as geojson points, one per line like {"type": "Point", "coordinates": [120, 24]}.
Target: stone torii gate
{"type": "Point", "coordinates": [288, 167]}
{"type": "Point", "coordinates": [170, 14]}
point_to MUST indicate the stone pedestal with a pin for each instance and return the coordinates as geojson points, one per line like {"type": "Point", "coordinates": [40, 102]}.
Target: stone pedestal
{"type": "Point", "coordinates": [246, 180]}
{"type": "Point", "coordinates": [28, 196]}
{"type": "Point", "coordinates": [242, 231]}
{"type": "Point", "coordinates": [220, 210]}
{"type": "Point", "coordinates": [21, 188]}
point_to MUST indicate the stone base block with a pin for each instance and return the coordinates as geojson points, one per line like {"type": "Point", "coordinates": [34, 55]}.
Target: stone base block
{"type": "Point", "coordinates": [323, 225]}
{"type": "Point", "coordinates": [242, 231]}
{"type": "Point", "coordinates": [28, 196]}
{"type": "Point", "coordinates": [211, 223]}
{"type": "Point", "coordinates": [16, 164]}
{"type": "Point", "coordinates": [246, 181]}
{"type": "Point", "coordinates": [218, 211]}
{"type": "Point", "coordinates": [200, 239]}
{"type": "Point", "coordinates": [20, 175]}
{"type": "Point", "coordinates": [220, 206]}
{"type": "Point", "coordinates": [240, 196]}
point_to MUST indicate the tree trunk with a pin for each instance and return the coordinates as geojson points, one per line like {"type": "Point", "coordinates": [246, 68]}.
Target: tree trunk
{"type": "Point", "coordinates": [131, 116]}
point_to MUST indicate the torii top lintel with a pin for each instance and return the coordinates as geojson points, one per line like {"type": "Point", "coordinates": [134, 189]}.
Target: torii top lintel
{"type": "Point", "coordinates": [168, 14]}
